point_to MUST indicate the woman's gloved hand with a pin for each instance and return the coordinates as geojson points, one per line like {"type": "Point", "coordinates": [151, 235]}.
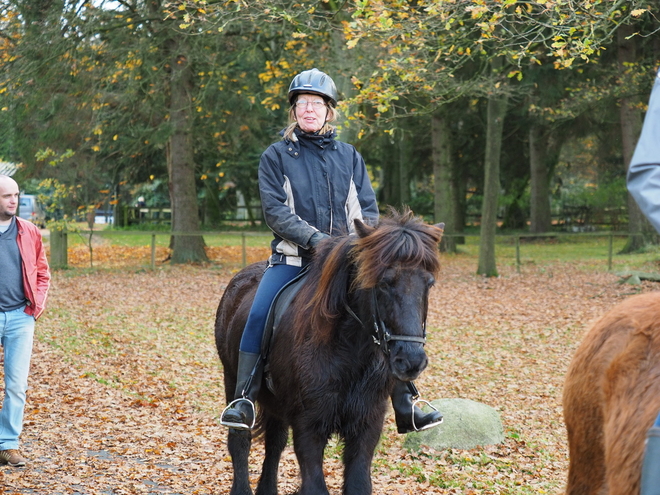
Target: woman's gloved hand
{"type": "Point", "coordinates": [316, 238]}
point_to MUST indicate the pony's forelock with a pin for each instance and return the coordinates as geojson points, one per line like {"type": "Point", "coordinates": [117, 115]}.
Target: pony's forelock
{"type": "Point", "coordinates": [400, 239]}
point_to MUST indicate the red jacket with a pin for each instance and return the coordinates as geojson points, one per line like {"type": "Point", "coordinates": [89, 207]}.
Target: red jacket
{"type": "Point", "coordinates": [36, 275]}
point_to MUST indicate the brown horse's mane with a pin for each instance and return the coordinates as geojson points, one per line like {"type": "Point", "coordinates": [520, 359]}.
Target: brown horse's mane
{"type": "Point", "coordinates": [347, 263]}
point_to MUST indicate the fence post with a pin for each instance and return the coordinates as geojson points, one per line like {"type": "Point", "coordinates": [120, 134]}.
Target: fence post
{"type": "Point", "coordinates": [243, 243]}
{"type": "Point", "coordinates": [58, 249]}
{"type": "Point", "coordinates": [153, 251]}
{"type": "Point", "coordinates": [518, 253]}
{"type": "Point", "coordinates": [609, 252]}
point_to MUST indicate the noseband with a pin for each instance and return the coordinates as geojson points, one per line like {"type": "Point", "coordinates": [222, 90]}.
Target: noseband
{"type": "Point", "coordinates": [380, 333]}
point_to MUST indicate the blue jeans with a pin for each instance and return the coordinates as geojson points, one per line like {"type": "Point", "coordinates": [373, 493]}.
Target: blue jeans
{"type": "Point", "coordinates": [16, 335]}
{"type": "Point", "coordinates": [275, 277]}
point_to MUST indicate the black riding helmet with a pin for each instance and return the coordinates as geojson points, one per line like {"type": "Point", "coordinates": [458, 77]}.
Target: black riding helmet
{"type": "Point", "coordinates": [316, 82]}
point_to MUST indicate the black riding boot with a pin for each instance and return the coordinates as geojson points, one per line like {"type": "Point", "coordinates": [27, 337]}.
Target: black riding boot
{"type": "Point", "coordinates": [408, 416]}
{"type": "Point", "coordinates": [241, 412]}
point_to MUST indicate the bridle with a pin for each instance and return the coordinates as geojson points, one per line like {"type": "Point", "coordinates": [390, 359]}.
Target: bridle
{"type": "Point", "coordinates": [380, 333]}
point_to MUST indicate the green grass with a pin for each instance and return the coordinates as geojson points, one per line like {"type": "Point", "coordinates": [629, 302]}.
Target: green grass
{"type": "Point", "coordinates": [163, 239]}
{"type": "Point", "coordinates": [134, 238]}
{"type": "Point", "coordinates": [593, 249]}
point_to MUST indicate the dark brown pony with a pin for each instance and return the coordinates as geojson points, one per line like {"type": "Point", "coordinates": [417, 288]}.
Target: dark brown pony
{"type": "Point", "coordinates": [612, 397]}
{"type": "Point", "coordinates": [328, 373]}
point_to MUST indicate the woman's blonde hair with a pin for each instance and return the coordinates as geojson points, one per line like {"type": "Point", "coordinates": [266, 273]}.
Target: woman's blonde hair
{"type": "Point", "coordinates": [293, 123]}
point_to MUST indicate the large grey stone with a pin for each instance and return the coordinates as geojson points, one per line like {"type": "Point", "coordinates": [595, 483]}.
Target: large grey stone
{"type": "Point", "coordinates": [467, 424]}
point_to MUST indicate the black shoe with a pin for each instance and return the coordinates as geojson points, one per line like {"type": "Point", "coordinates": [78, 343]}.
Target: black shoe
{"type": "Point", "coordinates": [239, 414]}
{"type": "Point", "coordinates": [420, 420]}
{"type": "Point", "coordinates": [408, 416]}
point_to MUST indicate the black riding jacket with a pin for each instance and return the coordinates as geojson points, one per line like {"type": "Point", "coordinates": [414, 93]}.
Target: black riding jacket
{"type": "Point", "coordinates": [313, 184]}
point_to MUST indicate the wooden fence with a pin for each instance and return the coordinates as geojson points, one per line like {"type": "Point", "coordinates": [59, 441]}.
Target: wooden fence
{"type": "Point", "coordinates": [59, 244]}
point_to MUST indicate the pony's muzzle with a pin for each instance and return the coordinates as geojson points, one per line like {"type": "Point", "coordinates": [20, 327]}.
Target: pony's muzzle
{"type": "Point", "coordinates": [408, 360]}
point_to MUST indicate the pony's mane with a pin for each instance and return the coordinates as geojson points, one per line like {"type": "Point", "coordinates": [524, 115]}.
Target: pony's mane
{"type": "Point", "coordinates": [330, 276]}
{"type": "Point", "coordinates": [400, 239]}
{"type": "Point", "coordinates": [346, 263]}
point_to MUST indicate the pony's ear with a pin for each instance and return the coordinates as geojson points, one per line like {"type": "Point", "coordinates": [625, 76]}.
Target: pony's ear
{"type": "Point", "coordinates": [440, 226]}
{"type": "Point", "coordinates": [362, 229]}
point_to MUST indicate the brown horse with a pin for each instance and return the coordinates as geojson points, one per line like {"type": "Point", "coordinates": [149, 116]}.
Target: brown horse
{"type": "Point", "coordinates": [612, 397]}
{"type": "Point", "coordinates": [357, 323]}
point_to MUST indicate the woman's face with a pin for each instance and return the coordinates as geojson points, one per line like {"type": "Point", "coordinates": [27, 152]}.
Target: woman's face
{"type": "Point", "coordinates": [312, 114]}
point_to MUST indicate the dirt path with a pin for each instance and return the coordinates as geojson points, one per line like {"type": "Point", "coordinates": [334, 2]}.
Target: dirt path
{"type": "Point", "coordinates": [126, 388]}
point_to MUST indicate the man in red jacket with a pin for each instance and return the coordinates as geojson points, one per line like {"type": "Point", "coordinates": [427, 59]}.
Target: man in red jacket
{"type": "Point", "coordinates": [24, 282]}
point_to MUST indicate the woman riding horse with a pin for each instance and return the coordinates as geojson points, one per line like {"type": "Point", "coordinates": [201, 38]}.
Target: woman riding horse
{"type": "Point", "coordinates": [312, 187]}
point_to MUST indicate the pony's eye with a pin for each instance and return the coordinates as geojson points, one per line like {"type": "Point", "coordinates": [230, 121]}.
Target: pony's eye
{"type": "Point", "coordinates": [387, 278]}
{"type": "Point", "coordinates": [430, 282]}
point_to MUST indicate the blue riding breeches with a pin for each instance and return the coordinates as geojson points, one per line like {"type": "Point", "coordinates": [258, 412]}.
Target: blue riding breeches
{"type": "Point", "coordinates": [275, 277]}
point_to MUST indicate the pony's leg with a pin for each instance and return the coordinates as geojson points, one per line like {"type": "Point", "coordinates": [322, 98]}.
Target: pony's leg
{"type": "Point", "coordinates": [358, 454]}
{"type": "Point", "coordinates": [238, 444]}
{"type": "Point", "coordinates": [276, 437]}
{"type": "Point", "coordinates": [309, 448]}
{"type": "Point", "coordinates": [583, 415]}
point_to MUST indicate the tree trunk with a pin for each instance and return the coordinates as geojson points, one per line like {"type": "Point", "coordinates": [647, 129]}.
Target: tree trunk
{"type": "Point", "coordinates": [180, 162]}
{"type": "Point", "coordinates": [404, 168]}
{"type": "Point", "coordinates": [631, 123]}
{"type": "Point", "coordinates": [540, 216]}
{"type": "Point", "coordinates": [444, 183]}
{"type": "Point", "coordinates": [58, 249]}
{"type": "Point", "coordinates": [497, 106]}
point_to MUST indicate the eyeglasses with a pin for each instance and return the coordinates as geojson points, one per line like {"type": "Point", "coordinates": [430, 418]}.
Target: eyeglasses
{"type": "Point", "coordinates": [316, 104]}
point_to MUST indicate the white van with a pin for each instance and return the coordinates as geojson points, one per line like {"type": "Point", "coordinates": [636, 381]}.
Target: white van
{"type": "Point", "coordinates": [30, 208]}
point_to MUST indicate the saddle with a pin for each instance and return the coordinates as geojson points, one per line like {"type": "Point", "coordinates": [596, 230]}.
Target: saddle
{"type": "Point", "coordinates": [277, 309]}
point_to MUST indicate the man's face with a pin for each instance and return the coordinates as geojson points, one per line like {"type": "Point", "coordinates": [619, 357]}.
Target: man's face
{"type": "Point", "coordinates": [8, 198]}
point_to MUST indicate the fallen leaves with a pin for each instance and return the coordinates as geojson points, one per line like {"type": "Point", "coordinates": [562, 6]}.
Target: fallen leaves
{"type": "Point", "coordinates": [111, 256]}
{"type": "Point", "coordinates": [126, 384]}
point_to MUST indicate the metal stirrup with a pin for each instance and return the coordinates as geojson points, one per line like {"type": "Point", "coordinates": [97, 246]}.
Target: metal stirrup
{"type": "Point", "coordinates": [238, 425]}
{"type": "Point", "coordinates": [430, 425]}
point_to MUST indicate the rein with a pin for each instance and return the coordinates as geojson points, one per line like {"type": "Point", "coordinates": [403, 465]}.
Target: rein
{"type": "Point", "coordinates": [380, 334]}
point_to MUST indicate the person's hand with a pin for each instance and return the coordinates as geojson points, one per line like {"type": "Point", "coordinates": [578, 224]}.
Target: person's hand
{"type": "Point", "coordinates": [316, 238]}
